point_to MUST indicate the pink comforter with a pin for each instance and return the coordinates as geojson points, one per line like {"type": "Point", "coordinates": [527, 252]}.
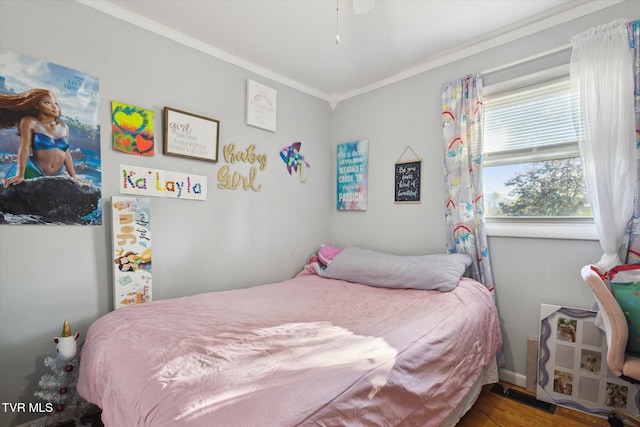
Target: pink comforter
{"type": "Point", "coordinates": [308, 351]}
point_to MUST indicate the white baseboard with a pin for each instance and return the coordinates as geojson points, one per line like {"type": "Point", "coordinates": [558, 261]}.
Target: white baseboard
{"type": "Point", "coordinates": [513, 378]}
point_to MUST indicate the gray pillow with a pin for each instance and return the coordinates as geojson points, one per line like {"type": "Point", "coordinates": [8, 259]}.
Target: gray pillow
{"type": "Point", "coordinates": [435, 272]}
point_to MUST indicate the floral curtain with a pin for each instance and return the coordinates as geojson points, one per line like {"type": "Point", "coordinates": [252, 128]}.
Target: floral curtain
{"type": "Point", "coordinates": [602, 80]}
{"type": "Point", "coordinates": [462, 112]}
{"type": "Point", "coordinates": [633, 251]}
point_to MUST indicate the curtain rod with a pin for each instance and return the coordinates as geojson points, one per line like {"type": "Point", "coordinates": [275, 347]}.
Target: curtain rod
{"type": "Point", "coordinates": [527, 59]}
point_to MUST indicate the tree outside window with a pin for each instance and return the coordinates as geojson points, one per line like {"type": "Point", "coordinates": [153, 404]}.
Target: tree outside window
{"type": "Point", "coordinates": [531, 155]}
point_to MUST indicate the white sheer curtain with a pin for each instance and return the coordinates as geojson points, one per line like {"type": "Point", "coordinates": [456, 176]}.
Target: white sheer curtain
{"type": "Point", "coordinates": [602, 77]}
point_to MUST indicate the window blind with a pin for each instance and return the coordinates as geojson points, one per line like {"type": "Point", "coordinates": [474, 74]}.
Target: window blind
{"type": "Point", "coordinates": [530, 124]}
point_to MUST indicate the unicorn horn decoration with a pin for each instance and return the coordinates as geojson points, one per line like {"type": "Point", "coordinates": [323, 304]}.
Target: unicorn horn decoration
{"type": "Point", "coordinates": [66, 329]}
{"type": "Point", "coordinates": [66, 345]}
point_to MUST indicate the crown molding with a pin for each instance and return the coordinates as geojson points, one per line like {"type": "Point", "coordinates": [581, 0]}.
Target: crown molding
{"type": "Point", "coordinates": [506, 35]}
{"type": "Point", "coordinates": [140, 21]}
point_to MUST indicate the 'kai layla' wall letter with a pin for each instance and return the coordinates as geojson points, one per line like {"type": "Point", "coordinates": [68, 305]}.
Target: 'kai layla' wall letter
{"type": "Point", "coordinates": [160, 183]}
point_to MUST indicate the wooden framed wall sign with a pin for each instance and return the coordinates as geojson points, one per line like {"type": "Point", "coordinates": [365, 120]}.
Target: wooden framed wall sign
{"type": "Point", "coordinates": [408, 182]}
{"type": "Point", "coordinates": [407, 176]}
{"type": "Point", "coordinates": [189, 135]}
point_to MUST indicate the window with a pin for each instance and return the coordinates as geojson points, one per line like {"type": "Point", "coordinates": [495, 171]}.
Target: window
{"type": "Point", "coordinates": [532, 166]}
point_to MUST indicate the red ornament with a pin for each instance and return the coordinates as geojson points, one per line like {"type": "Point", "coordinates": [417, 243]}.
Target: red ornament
{"type": "Point", "coordinates": [63, 390]}
{"type": "Point", "coordinates": [60, 407]}
{"type": "Point", "coordinates": [68, 368]}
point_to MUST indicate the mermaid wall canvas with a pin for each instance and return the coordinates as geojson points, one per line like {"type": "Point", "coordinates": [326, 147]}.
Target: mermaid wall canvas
{"type": "Point", "coordinates": [50, 162]}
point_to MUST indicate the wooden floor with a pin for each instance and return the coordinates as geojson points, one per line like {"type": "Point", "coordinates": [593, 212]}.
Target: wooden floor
{"type": "Point", "coordinates": [493, 410]}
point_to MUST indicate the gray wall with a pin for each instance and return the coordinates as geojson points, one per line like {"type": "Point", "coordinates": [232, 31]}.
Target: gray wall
{"type": "Point", "coordinates": [527, 271]}
{"type": "Point", "coordinates": [236, 238]}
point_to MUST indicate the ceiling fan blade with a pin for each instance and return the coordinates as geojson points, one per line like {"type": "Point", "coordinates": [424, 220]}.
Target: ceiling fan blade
{"type": "Point", "coordinates": [361, 7]}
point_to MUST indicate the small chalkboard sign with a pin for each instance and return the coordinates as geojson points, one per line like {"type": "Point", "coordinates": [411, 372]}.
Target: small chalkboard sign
{"type": "Point", "coordinates": [408, 182]}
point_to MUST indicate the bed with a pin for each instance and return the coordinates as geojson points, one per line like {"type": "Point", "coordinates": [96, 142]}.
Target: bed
{"type": "Point", "coordinates": [315, 350]}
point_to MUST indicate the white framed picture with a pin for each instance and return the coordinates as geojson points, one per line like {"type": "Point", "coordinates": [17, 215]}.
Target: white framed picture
{"type": "Point", "coordinates": [572, 364]}
{"type": "Point", "coordinates": [261, 106]}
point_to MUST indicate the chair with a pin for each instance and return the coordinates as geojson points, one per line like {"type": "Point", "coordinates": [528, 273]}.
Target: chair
{"type": "Point", "coordinates": [616, 331]}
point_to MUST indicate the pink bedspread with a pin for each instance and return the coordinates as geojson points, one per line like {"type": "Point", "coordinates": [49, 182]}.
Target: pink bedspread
{"type": "Point", "coordinates": [308, 351]}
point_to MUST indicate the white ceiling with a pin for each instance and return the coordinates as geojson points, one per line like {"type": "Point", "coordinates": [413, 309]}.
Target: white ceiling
{"type": "Point", "coordinates": [294, 41]}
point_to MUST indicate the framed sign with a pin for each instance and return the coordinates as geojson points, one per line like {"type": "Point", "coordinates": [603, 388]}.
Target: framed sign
{"type": "Point", "coordinates": [572, 364]}
{"type": "Point", "coordinates": [407, 188]}
{"type": "Point", "coordinates": [261, 106]}
{"type": "Point", "coordinates": [190, 135]}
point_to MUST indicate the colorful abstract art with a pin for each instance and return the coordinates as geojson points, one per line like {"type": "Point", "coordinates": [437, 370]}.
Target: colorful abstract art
{"type": "Point", "coordinates": [353, 176]}
{"type": "Point", "coordinates": [132, 129]}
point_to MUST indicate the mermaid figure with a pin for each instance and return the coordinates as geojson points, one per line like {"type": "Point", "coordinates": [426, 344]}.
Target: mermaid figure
{"type": "Point", "coordinates": [44, 139]}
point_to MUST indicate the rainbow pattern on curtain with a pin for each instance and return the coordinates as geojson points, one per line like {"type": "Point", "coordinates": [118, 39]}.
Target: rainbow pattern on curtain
{"type": "Point", "coordinates": [462, 110]}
